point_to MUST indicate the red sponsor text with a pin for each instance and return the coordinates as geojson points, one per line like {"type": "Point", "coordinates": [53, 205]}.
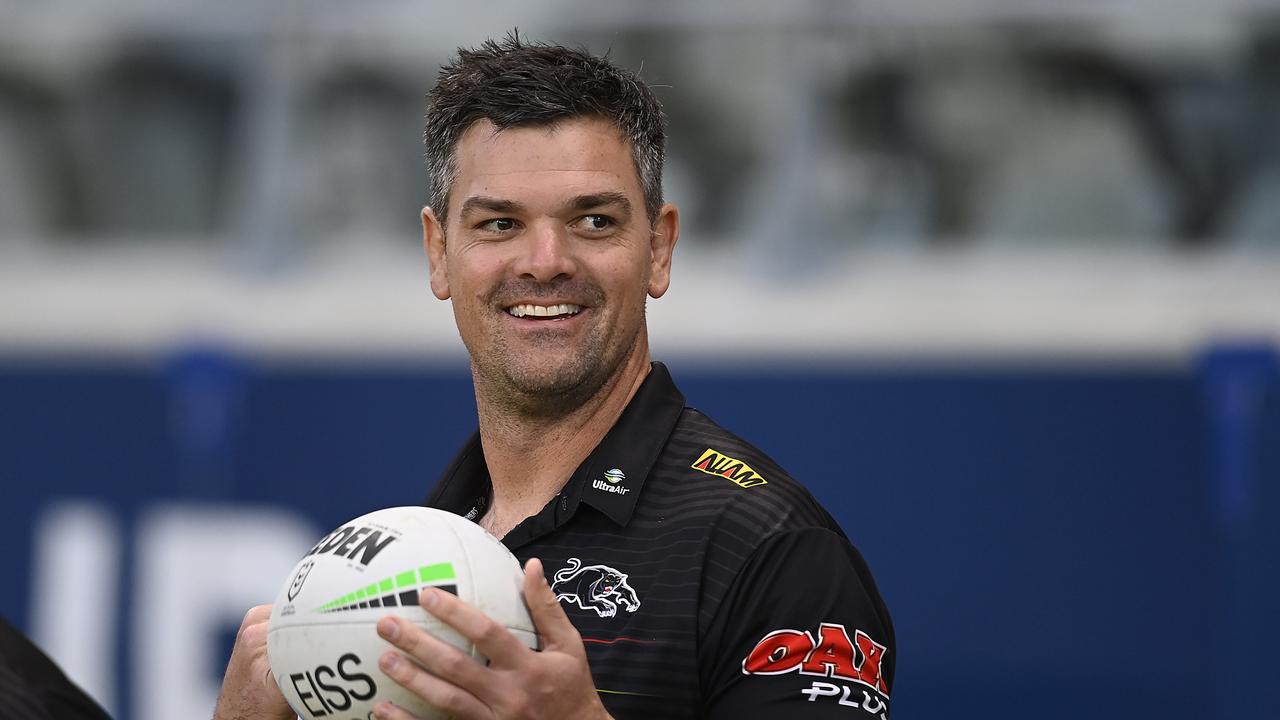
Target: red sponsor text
{"type": "Point", "coordinates": [830, 654]}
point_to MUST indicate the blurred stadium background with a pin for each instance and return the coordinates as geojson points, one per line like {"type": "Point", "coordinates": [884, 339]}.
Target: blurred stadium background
{"type": "Point", "coordinates": [999, 280]}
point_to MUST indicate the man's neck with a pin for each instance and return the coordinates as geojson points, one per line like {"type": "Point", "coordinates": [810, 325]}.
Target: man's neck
{"type": "Point", "coordinates": [531, 458]}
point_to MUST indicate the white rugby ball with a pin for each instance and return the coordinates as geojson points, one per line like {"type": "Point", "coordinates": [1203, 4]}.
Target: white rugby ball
{"type": "Point", "coordinates": [322, 639]}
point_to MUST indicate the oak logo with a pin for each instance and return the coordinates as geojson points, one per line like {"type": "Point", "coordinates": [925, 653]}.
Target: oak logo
{"type": "Point", "coordinates": [736, 471]}
{"type": "Point", "coordinates": [829, 654]}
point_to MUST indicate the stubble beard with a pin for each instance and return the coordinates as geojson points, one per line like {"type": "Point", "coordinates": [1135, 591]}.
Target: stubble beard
{"type": "Point", "coordinates": [519, 386]}
{"type": "Point", "coordinates": [525, 383]}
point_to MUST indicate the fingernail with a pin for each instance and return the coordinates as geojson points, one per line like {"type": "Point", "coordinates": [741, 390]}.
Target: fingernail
{"type": "Point", "coordinates": [388, 628]}
{"type": "Point", "coordinates": [428, 597]}
{"type": "Point", "coordinates": [389, 661]}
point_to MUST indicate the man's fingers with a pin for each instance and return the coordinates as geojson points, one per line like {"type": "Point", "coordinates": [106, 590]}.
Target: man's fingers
{"type": "Point", "coordinates": [493, 640]}
{"type": "Point", "coordinates": [256, 614]}
{"type": "Point", "coordinates": [436, 691]}
{"type": "Point", "coordinates": [389, 711]}
{"type": "Point", "coordinates": [260, 613]}
{"type": "Point", "coordinates": [254, 635]}
{"type": "Point", "coordinates": [438, 657]}
{"type": "Point", "coordinates": [248, 687]}
{"type": "Point", "coordinates": [548, 616]}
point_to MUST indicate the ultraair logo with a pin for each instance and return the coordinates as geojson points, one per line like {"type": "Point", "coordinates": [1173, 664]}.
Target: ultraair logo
{"type": "Point", "coordinates": [736, 471]}
{"type": "Point", "coordinates": [397, 590]}
{"type": "Point", "coordinates": [610, 482]}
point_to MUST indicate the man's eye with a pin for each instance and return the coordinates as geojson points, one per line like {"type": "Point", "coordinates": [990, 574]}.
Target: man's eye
{"type": "Point", "coordinates": [500, 225]}
{"type": "Point", "coordinates": [595, 222]}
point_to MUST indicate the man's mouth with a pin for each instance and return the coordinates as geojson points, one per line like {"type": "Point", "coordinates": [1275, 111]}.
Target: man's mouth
{"type": "Point", "coordinates": [544, 312]}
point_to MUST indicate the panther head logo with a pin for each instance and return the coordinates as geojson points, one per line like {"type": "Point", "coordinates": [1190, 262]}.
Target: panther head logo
{"type": "Point", "coordinates": [595, 587]}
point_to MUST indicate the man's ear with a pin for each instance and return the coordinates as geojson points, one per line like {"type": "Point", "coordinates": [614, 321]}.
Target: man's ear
{"type": "Point", "coordinates": [433, 241]}
{"type": "Point", "coordinates": [662, 243]}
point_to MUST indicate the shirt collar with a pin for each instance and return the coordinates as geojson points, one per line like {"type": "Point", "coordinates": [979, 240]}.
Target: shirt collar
{"type": "Point", "coordinates": [611, 477]}
{"type": "Point", "coordinates": [463, 489]}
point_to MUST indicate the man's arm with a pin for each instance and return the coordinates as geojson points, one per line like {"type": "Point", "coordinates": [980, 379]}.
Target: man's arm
{"type": "Point", "coordinates": [802, 632]}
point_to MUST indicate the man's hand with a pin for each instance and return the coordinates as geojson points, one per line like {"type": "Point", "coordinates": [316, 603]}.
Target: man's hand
{"type": "Point", "coordinates": [249, 689]}
{"type": "Point", "coordinates": [518, 682]}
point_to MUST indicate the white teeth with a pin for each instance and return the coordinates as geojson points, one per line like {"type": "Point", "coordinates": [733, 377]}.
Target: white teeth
{"type": "Point", "coordinates": [544, 310]}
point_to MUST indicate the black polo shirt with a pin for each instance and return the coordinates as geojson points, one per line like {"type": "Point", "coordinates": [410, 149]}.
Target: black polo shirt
{"type": "Point", "coordinates": [706, 583]}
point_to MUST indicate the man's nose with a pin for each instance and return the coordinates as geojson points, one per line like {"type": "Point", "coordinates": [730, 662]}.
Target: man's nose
{"type": "Point", "coordinates": [546, 253]}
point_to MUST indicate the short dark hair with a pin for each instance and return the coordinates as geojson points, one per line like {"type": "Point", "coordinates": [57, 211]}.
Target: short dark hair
{"type": "Point", "coordinates": [514, 83]}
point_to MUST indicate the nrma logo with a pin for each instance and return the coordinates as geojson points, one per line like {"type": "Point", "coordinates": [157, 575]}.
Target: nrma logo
{"type": "Point", "coordinates": [738, 472]}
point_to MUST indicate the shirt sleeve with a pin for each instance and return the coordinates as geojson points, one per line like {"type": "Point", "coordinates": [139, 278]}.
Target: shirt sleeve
{"type": "Point", "coordinates": [802, 632]}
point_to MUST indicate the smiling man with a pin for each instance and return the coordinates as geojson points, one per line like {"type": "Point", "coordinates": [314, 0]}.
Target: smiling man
{"type": "Point", "coordinates": [548, 254]}
{"type": "Point", "coordinates": [672, 569]}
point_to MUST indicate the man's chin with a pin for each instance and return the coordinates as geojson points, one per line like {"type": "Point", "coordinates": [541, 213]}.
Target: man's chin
{"type": "Point", "coordinates": [549, 383]}
{"type": "Point", "coordinates": [543, 386]}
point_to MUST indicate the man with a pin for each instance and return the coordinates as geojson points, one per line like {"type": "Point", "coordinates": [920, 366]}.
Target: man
{"type": "Point", "coordinates": [673, 570]}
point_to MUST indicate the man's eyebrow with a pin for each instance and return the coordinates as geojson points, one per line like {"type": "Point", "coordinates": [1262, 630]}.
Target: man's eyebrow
{"type": "Point", "coordinates": [600, 199]}
{"type": "Point", "coordinates": [478, 203]}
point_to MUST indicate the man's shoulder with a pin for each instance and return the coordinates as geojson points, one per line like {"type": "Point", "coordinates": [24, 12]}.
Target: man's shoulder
{"type": "Point", "coordinates": [720, 478]}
